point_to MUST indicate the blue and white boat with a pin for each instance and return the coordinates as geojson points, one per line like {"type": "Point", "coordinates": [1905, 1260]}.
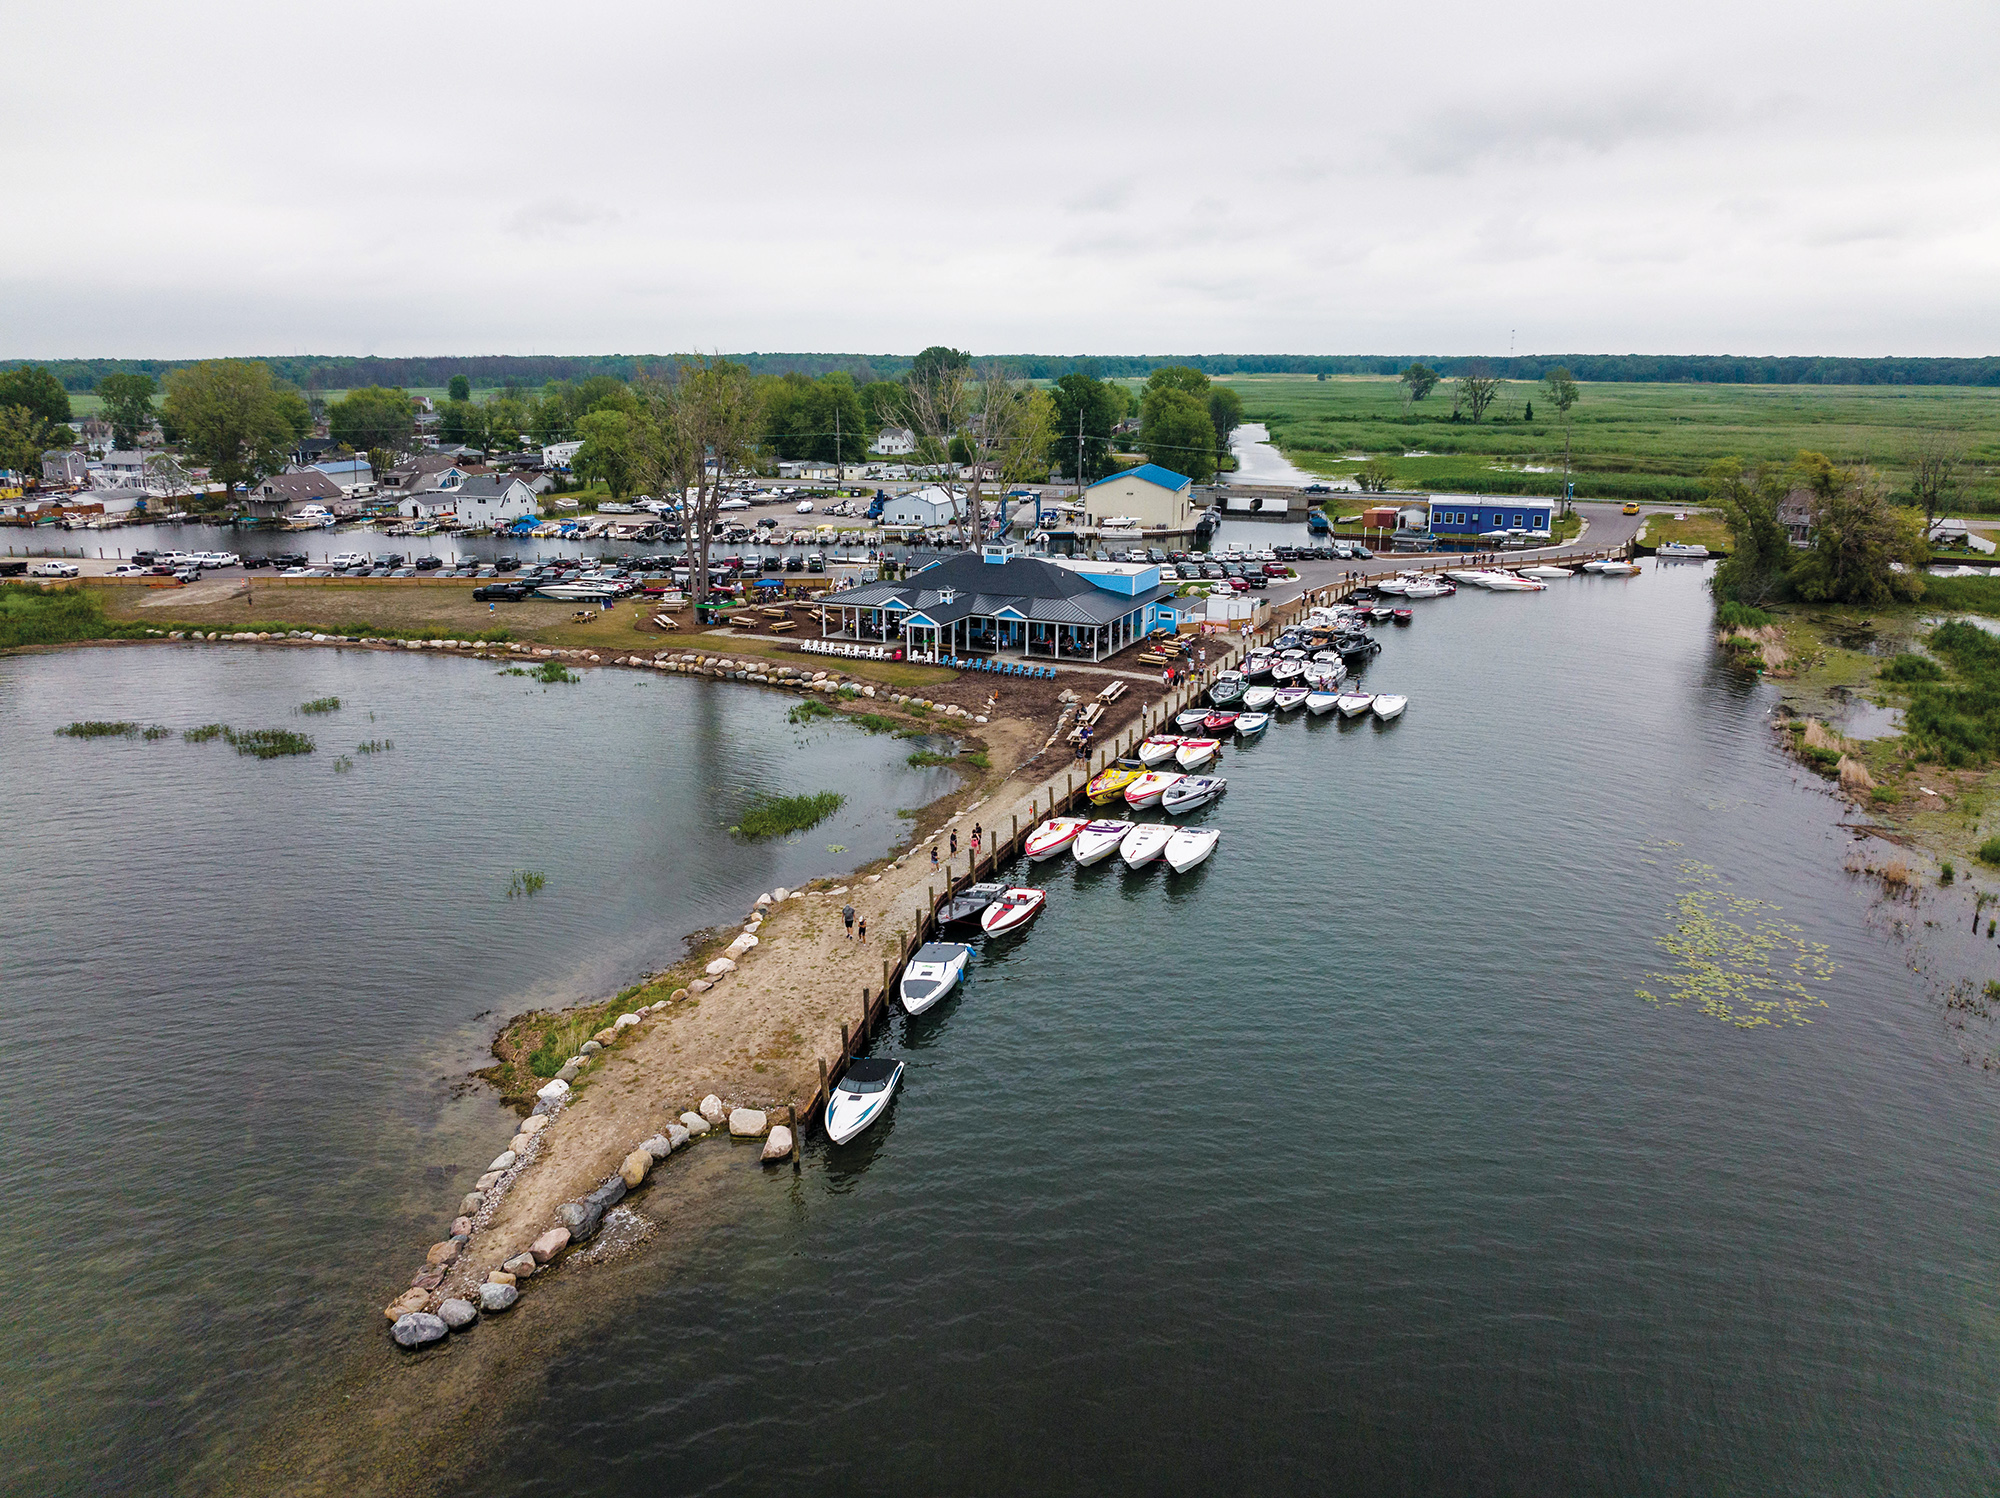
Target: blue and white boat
{"type": "Point", "coordinates": [1249, 725]}
{"type": "Point", "coordinates": [932, 972]}
{"type": "Point", "coordinates": [861, 1096]}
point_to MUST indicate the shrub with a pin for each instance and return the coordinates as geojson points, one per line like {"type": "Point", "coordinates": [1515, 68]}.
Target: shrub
{"type": "Point", "coordinates": [1912, 667]}
{"type": "Point", "coordinates": [32, 615]}
{"type": "Point", "coordinates": [1733, 615]}
{"type": "Point", "coordinates": [1946, 873]}
{"type": "Point", "coordinates": [1989, 851]}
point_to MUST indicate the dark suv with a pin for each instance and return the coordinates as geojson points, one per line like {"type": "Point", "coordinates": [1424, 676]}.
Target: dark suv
{"type": "Point", "coordinates": [501, 592]}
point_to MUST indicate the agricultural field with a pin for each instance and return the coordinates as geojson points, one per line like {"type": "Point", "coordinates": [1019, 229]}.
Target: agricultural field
{"type": "Point", "coordinates": [1628, 441]}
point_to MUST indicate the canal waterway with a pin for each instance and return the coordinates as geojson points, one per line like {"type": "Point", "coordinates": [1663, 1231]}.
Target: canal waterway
{"type": "Point", "coordinates": [1354, 1161]}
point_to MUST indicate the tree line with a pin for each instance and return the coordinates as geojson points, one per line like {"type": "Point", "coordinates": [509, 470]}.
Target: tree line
{"type": "Point", "coordinates": [523, 373]}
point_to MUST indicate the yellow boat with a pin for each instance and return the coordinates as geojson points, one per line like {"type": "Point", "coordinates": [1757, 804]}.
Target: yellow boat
{"type": "Point", "coordinates": [1110, 784]}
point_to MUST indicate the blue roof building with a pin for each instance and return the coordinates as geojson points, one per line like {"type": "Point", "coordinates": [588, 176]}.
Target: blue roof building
{"type": "Point", "coordinates": [1146, 498]}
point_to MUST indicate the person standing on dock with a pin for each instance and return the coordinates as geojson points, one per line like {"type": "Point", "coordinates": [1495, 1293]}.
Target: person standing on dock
{"type": "Point", "coordinates": [954, 842]}
{"type": "Point", "coordinates": [847, 915]}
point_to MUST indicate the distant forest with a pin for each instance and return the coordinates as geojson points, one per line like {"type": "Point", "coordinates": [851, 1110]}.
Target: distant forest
{"type": "Point", "coordinates": [528, 372]}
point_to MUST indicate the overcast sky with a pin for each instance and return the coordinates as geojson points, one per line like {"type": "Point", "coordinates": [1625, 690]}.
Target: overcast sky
{"type": "Point", "coordinates": [643, 176]}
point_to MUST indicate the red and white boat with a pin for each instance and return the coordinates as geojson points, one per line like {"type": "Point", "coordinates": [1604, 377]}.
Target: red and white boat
{"type": "Point", "coordinates": [1158, 749]}
{"type": "Point", "coordinates": [1052, 837]}
{"type": "Point", "coordinates": [1012, 910]}
{"type": "Point", "coordinates": [1194, 753]}
{"type": "Point", "coordinates": [1148, 788]}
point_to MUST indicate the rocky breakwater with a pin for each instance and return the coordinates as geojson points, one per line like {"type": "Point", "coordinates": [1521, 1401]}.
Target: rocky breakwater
{"type": "Point", "coordinates": [450, 1293]}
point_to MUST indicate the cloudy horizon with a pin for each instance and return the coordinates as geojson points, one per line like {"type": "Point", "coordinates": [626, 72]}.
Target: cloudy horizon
{"type": "Point", "coordinates": [1778, 179]}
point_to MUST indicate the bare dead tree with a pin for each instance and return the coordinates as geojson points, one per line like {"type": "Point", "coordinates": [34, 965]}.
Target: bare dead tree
{"type": "Point", "coordinates": [1935, 463]}
{"type": "Point", "coordinates": [935, 402]}
{"type": "Point", "coordinates": [700, 418]}
{"type": "Point", "coordinates": [1478, 387]}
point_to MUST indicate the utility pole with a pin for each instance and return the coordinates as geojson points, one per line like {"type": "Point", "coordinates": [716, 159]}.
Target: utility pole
{"type": "Point", "coordinates": [839, 462]}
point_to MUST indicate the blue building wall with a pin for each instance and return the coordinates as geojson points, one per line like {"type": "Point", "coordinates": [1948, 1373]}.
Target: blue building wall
{"type": "Point", "coordinates": [1466, 517]}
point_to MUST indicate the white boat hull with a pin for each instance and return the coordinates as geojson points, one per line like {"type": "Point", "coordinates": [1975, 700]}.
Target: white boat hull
{"type": "Point", "coordinates": [1052, 837]}
{"type": "Point", "coordinates": [1194, 756]}
{"type": "Point", "coordinates": [1354, 704]}
{"type": "Point", "coordinates": [1190, 846]}
{"type": "Point", "coordinates": [1099, 841]}
{"type": "Point", "coordinates": [1387, 708]}
{"type": "Point", "coordinates": [1321, 702]}
{"type": "Point", "coordinates": [1193, 792]}
{"type": "Point", "coordinates": [1144, 843]}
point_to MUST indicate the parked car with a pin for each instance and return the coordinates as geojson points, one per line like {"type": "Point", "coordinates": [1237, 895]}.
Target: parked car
{"type": "Point", "coordinates": [1212, 571]}
{"type": "Point", "coordinates": [1276, 569]}
{"type": "Point", "coordinates": [130, 571]}
{"type": "Point", "coordinates": [53, 569]}
{"type": "Point", "coordinates": [1188, 571]}
{"type": "Point", "coordinates": [1629, 510]}
{"type": "Point", "coordinates": [403, 572]}
{"type": "Point", "coordinates": [502, 592]}
{"type": "Point", "coordinates": [508, 564]}
{"type": "Point", "coordinates": [429, 564]}
{"type": "Point", "coordinates": [187, 575]}
{"type": "Point", "coordinates": [1363, 552]}
{"type": "Point", "coordinates": [251, 564]}
{"type": "Point", "coordinates": [1256, 579]}
{"type": "Point", "coordinates": [290, 559]}
{"type": "Point", "coordinates": [13, 569]}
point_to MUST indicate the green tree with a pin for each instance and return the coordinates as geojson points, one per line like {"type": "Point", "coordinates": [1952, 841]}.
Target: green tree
{"type": "Point", "coordinates": [881, 405]}
{"type": "Point", "coordinates": [37, 389]}
{"type": "Point", "coordinates": [230, 415]}
{"type": "Point", "coordinates": [1084, 412]}
{"type": "Point", "coordinates": [1758, 568]}
{"type": "Point", "coordinates": [1419, 380]}
{"type": "Point", "coordinates": [1225, 413]}
{"type": "Point", "coordinates": [1934, 469]}
{"type": "Point", "coordinates": [607, 455]}
{"type": "Point", "coordinates": [1478, 388]}
{"type": "Point", "coordinates": [938, 364]}
{"type": "Point", "coordinates": [460, 389]}
{"type": "Point", "coordinates": [1175, 431]}
{"type": "Point", "coordinates": [128, 405]}
{"type": "Point", "coordinates": [1375, 477]}
{"type": "Point", "coordinates": [372, 417]}
{"type": "Point", "coordinates": [1184, 377]}
{"type": "Point", "coordinates": [25, 436]}
{"type": "Point", "coordinates": [1864, 549]}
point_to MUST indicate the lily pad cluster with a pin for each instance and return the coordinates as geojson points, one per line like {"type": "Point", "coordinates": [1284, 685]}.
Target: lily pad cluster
{"type": "Point", "coordinates": [1734, 961]}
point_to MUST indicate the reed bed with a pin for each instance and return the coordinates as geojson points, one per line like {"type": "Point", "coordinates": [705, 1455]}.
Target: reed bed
{"type": "Point", "coordinates": [774, 816]}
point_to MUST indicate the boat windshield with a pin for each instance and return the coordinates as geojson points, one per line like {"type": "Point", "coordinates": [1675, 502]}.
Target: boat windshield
{"type": "Point", "coordinates": [862, 1086]}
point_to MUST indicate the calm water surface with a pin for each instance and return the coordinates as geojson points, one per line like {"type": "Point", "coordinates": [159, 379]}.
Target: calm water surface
{"type": "Point", "coordinates": [239, 999]}
{"type": "Point", "coordinates": [1350, 1162]}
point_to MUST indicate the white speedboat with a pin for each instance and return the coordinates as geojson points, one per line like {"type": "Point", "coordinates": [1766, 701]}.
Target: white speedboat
{"type": "Point", "coordinates": [1391, 585]}
{"type": "Point", "coordinates": [1612, 568]}
{"type": "Point", "coordinates": [969, 903]}
{"type": "Point", "coordinates": [1099, 840]}
{"type": "Point", "coordinates": [1257, 664]}
{"type": "Point", "coordinates": [1052, 837]}
{"type": "Point", "coordinates": [861, 1096]}
{"type": "Point", "coordinates": [1286, 671]}
{"type": "Point", "coordinates": [932, 972]}
{"type": "Point", "coordinates": [1012, 911]}
{"type": "Point", "coordinates": [1158, 749]}
{"type": "Point", "coordinates": [1547, 573]}
{"type": "Point", "coordinates": [1321, 700]}
{"type": "Point", "coordinates": [1471, 577]}
{"type": "Point", "coordinates": [1190, 792]}
{"type": "Point", "coordinates": [1190, 846]}
{"type": "Point", "coordinates": [1258, 698]}
{"type": "Point", "coordinates": [1681, 551]}
{"type": "Point", "coordinates": [577, 592]}
{"type": "Point", "coordinates": [1513, 582]}
{"type": "Point", "coordinates": [1145, 842]}
{"type": "Point", "coordinates": [1194, 753]}
{"type": "Point", "coordinates": [1194, 717]}
{"type": "Point", "coordinates": [1249, 725]}
{"type": "Point", "coordinates": [1428, 589]}
{"type": "Point", "coordinates": [1353, 704]}
{"type": "Point", "coordinates": [1291, 697]}
{"type": "Point", "coordinates": [1388, 706]}
{"type": "Point", "coordinates": [1148, 788]}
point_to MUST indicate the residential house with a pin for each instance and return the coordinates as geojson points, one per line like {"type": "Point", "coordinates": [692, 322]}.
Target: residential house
{"type": "Point", "coordinates": [894, 442]}
{"type": "Point", "coordinates": [282, 493]}
{"type": "Point", "coordinates": [559, 455]}
{"type": "Point", "coordinates": [311, 450]}
{"type": "Point", "coordinates": [1149, 497]}
{"type": "Point", "coordinates": [63, 465]}
{"type": "Point", "coordinates": [424, 474]}
{"type": "Point", "coordinates": [1795, 514]}
{"type": "Point", "coordinates": [929, 507]}
{"type": "Point", "coordinates": [488, 497]}
{"type": "Point", "coordinates": [995, 601]}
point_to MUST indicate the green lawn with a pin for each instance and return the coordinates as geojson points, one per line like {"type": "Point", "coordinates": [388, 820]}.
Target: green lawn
{"type": "Point", "coordinates": [1628, 441]}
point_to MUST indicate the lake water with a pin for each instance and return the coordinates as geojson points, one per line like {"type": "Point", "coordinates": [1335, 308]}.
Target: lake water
{"type": "Point", "coordinates": [1353, 1161]}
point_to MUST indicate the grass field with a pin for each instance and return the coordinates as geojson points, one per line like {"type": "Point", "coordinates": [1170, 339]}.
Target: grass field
{"type": "Point", "coordinates": [1648, 442]}
{"type": "Point", "coordinates": [1698, 528]}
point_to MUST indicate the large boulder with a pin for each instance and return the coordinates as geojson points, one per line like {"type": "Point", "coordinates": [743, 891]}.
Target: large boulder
{"type": "Point", "coordinates": [503, 1161]}
{"type": "Point", "coordinates": [534, 1125]}
{"type": "Point", "coordinates": [625, 1022]}
{"type": "Point", "coordinates": [583, 1218]}
{"type": "Point", "coordinates": [720, 966]}
{"type": "Point", "coordinates": [456, 1313]}
{"type": "Point", "coordinates": [677, 1134]}
{"type": "Point", "coordinates": [634, 1169]}
{"type": "Point", "coordinates": [700, 985]}
{"type": "Point", "coordinates": [602, 1038]}
{"type": "Point", "coordinates": [695, 1125]}
{"type": "Point", "coordinates": [711, 1109]}
{"type": "Point", "coordinates": [779, 1145]}
{"type": "Point", "coordinates": [521, 1265]}
{"type": "Point", "coordinates": [497, 1297]}
{"type": "Point", "coordinates": [747, 1123]}
{"type": "Point", "coordinates": [500, 1277]}
{"type": "Point", "coordinates": [404, 1304]}
{"type": "Point", "coordinates": [572, 1069]}
{"type": "Point", "coordinates": [461, 1227]}
{"type": "Point", "coordinates": [553, 1092]}
{"type": "Point", "coordinates": [551, 1243]}
{"type": "Point", "coordinates": [470, 1203]}
{"type": "Point", "coordinates": [659, 1146]}
{"type": "Point", "coordinates": [442, 1253]}
{"type": "Point", "coordinates": [418, 1329]}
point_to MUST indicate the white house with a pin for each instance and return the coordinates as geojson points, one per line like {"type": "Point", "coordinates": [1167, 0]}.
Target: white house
{"type": "Point", "coordinates": [559, 455]}
{"type": "Point", "coordinates": [488, 497]}
{"type": "Point", "coordinates": [894, 442]}
{"type": "Point", "coordinates": [931, 506]}
{"type": "Point", "coordinates": [353, 475]}
{"type": "Point", "coordinates": [1157, 498]}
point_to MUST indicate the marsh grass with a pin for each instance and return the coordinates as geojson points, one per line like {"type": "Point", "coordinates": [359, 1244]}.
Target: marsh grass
{"type": "Point", "coordinates": [98, 728]}
{"type": "Point", "coordinates": [1956, 721]}
{"type": "Point", "coordinates": [320, 705]}
{"type": "Point", "coordinates": [1733, 615]}
{"type": "Point", "coordinates": [156, 732]}
{"type": "Point", "coordinates": [1909, 667]}
{"type": "Point", "coordinates": [774, 816]}
{"type": "Point", "coordinates": [526, 884]}
{"type": "Point", "coordinates": [206, 733]}
{"type": "Point", "coordinates": [375, 746]}
{"type": "Point", "coordinates": [269, 743]}
{"type": "Point", "coordinates": [809, 711]}
{"type": "Point", "coordinates": [57, 616]}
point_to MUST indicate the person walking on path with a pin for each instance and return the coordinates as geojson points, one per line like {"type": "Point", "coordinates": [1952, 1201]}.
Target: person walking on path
{"type": "Point", "coordinates": [976, 830]}
{"type": "Point", "coordinates": [933, 858]}
{"type": "Point", "coordinates": [847, 915]}
{"type": "Point", "coordinates": [864, 928]}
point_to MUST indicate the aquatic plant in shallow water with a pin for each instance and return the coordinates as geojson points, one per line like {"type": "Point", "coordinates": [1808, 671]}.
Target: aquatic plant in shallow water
{"type": "Point", "coordinates": [269, 743]}
{"type": "Point", "coordinates": [527, 883]}
{"type": "Point", "coordinates": [772, 816]}
{"type": "Point", "coordinates": [1734, 962]}
{"type": "Point", "coordinates": [321, 705]}
{"type": "Point", "coordinates": [206, 732]}
{"type": "Point", "coordinates": [98, 728]}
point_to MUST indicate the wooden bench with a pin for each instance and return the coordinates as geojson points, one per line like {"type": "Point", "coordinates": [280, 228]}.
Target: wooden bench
{"type": "Point", "coordinates": [778, 629]}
